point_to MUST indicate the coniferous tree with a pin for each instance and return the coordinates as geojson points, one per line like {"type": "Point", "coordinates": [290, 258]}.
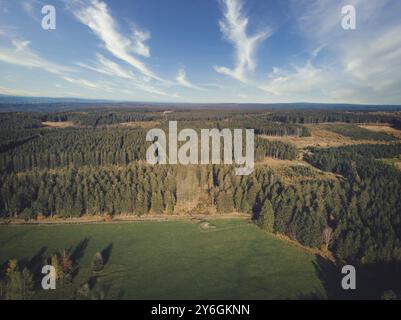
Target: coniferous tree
{"type": "Point", "coordinates": [266, 217]}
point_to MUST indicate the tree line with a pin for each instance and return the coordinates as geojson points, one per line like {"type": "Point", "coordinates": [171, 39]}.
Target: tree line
{"type": "Point", "coordinates": [358, 219]}
{"type": "Point", "coordinates": [50, 149]}
{"type": "Point", "coordinates": [256, 117]}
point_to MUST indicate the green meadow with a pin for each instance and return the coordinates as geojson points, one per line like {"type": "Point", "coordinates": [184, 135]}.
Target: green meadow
{"type": "Point", "coordinates": [170, 260]}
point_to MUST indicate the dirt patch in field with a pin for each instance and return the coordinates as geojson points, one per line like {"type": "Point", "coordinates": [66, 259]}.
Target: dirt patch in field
{"type": "Point", "coordinates": [58, 125]}
{"type": "Point", "coordinates": [383, 128]}
{"type": "Point", "coordinates": [205, 225]}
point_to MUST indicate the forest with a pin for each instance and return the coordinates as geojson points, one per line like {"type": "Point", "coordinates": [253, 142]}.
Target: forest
{"type": "Point", "coordinates": [92, 169]}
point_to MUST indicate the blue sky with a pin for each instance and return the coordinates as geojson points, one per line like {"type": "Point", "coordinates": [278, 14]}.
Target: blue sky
{"type": "Point", "coordinates": [203, 50]}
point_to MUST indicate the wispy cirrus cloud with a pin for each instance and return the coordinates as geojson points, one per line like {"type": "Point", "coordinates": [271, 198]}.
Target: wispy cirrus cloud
{"type": "Point", "coordinates": [19, 92]}
{"type": "Point", "coordinates": [305, 82]}
{"type": "Point", "coordinates": [183, 81]}
{"type": "Point", "coordinates": [109, 68]}
{"type": "Point", "coordinates": [139, 37]}
{"type": "Point", "coordinates": [96, 15]}
{"type": "Point", "coordinates": [83, 82]}
{"type": "Point", "coordinates": [112, 69]}
{"type": "Point", "coordinates": [376, 63]}
{"type": "Point", "coordinates": [20, 54]}
{"type": "Point", "coordinates": [361, 66]}
{"type": "Point", "coordinates": [234, 27]}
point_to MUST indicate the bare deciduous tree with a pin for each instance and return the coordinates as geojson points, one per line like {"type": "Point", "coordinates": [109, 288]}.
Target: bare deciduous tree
{"type": "Point", "coordinates": [327, 237]}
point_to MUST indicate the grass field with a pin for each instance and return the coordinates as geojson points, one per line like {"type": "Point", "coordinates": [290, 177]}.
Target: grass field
{"type": "Point", "coordinates": [383, 128]}
{"type": "Point", "coordinates": [341, 134]}
{"type": "Point", "coordinates": [355, 132]}
{"type": "Point", "coordinates": [174, 260]}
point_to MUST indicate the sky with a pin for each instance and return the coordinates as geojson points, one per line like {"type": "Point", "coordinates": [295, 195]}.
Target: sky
{"type": "Point", "coordinates": [203, 51]}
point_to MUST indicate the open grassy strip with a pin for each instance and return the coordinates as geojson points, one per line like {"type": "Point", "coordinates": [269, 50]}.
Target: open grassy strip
{"type": "Point", "coordinates": [358, 133]}
{"type": "Point", "coordinates": [383, 128]}
{"type": "Point", "coordinates": [175, 260]}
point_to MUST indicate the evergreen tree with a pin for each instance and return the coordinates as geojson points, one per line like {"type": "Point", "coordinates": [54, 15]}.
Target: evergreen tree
{"type": "Point", "coordinates": [266, 217]}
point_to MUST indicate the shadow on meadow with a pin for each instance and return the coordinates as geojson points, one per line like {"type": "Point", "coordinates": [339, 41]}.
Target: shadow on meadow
{"type": "Point", "coordinates": [106, 253]}
{"type": "Point", "coordinates": [374, 281]}
{"type": "Point", "coordinates": [101, 283]}
{"type": "Point", "coordinates": [22, 278]}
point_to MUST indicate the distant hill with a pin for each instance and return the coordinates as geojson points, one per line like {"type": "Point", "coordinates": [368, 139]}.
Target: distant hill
{"type": "Point", "coordinates": [49, 104]}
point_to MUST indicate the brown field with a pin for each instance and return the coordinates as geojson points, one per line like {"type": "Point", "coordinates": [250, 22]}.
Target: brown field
{"type": "Point", "coordinates": [289, 170]}
{"type": "Point", "coordinates": [383, 128]}
{"type": "Point", "coordinates": [58, 125]}
{"type": "Point", "coordinates": [321, 138]}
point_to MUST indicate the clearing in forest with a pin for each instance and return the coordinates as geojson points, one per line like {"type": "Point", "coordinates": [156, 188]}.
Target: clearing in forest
{"type": "Point", "coordinates": [384, 128]}
{"type": "Point", "coordinates": [58, 125]}
{"type": "Point", "coordinates": [327, 136]}
{"type": "Point", "coordinates": [173, 260]}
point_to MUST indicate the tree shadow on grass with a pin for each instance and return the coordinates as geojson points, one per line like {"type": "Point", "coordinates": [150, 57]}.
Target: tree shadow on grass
{"type": "Point", "coordinates": [372, 280]}
{"type": "Point", "coordinates": [77, 254]}
{"type": "Point", "coordinates": [79, 251]}
{"type": "Point", "coordinates": [330, 276]}
{"type": "Point", "coordinates": [376, 278]}
{"type": "Point", "coordinates": [36, 264]}
{"type": "Point", "coordinates": [106, 253]}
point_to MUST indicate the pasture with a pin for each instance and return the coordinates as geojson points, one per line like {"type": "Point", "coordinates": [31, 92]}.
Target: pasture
{"type": "Point", "coordinates": [171, 260]}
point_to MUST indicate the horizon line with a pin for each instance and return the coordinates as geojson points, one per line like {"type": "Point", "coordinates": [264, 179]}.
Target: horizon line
{"type": "Point", "coordinates": [94, 100]}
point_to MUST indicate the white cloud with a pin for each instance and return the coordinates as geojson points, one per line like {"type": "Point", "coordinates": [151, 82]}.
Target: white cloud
{"type": "Point", "coordinates": [95, 14]}
{"type": "Point", "coordinates": [234, 28]}
{"type": "Point", "coordinates": [154, 90]}
{"type": "Point", "coordinates": [18, 92]}
{"type": "Point", "coordinates": [21, 45]}
{"type": "Point", "coordinates": [182, 80]}
{"type": "Point", "coordinates": [377, 63]}
{"type": "Point", "coordinates": [300, 83]}
{"type": "Point", "coordinates": [366, 61]}
{"type": "Point", "coordinates": [108, 67]}
{"type": "Point", "coordinates": [139, 38]}
{"type": "Point", "coordinates": [83, 82]}
{"type": "Point", "coordinates": [112, 69]}
{"type": "Point", "coordinates": [20, 54]}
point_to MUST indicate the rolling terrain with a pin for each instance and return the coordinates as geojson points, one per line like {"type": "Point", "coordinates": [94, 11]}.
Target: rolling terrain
{"type": "Point", "coordinates": [324, 193]}
{"type": "Point", "coordinates": [173, 260]}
